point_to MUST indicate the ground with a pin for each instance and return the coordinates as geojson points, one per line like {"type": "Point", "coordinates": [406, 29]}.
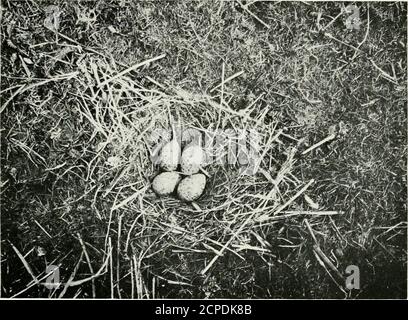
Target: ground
{"type": "Point", "coordinates": [313, 73]}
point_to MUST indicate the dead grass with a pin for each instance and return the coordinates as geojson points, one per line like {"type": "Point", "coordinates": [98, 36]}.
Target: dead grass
{"type": "Point", "coordinates": [79, 105]}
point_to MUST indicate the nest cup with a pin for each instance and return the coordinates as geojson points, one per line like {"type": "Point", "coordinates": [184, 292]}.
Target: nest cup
{"type": "Point", "coordinates": [236, 202]}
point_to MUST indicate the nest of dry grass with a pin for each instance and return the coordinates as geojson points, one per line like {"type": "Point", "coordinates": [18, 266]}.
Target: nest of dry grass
{"type": "Point", "coordinates": [243, 199]}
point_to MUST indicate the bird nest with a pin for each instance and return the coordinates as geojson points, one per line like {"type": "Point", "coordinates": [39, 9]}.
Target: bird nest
{"type": "Point", "coordinates": [251, 185]}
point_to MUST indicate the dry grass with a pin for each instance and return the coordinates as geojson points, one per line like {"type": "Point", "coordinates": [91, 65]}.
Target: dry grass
{"type": "Point", "coordinates": [80, 104]}
{"type": "Point", "coordinates": [236, 207]}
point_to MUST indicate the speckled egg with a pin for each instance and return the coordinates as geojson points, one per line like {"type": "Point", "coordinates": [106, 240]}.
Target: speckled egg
{"type": "Point", "coordinates": [192, 158]}
{"type": "Point", "coordinates": [191, 187]}
{"type": "Point", "coordinates": [170, 156]}
{"type": "Point", "coordinates": [165, 183]}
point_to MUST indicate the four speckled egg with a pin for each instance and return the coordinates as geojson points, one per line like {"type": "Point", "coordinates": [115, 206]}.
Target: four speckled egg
{"type": "Point", "coordinates": [191, 160]}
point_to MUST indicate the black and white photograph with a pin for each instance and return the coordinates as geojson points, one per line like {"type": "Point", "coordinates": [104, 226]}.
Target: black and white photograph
{"type": "Point", "coordinates": [195, 150]}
